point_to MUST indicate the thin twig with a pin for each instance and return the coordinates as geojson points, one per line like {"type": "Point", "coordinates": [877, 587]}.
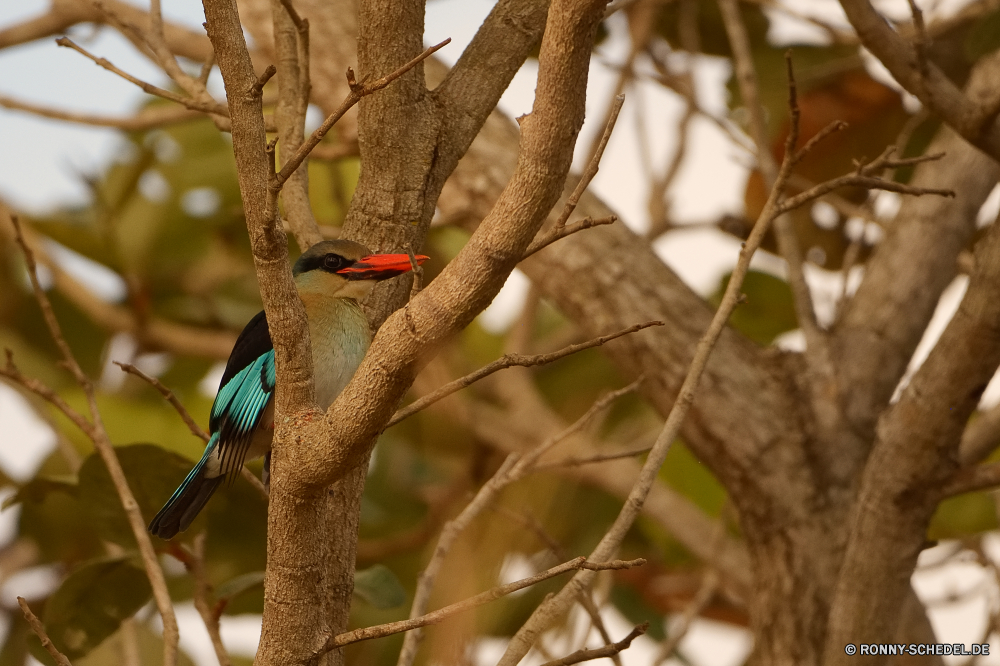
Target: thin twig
{"type": "Point", "coordinates": [197, 105]}
{"type": "Point", "coordinates": [99, 436]}
{"type": "Point", "coordinates": [358, 90]}
{"type": "Point", "coordinates": [170, 397]}
{"type": "Point", "coordinates": [442, 614]}
{"type": "Point", "coordinates": [507, 361]}
{"type": "Point", "coordinates": [514, 467]}
{"type": "Point", "coordinates": [560, 232]}
{"type": "Point", "coordinates": [202, 595]}
{"type": "Point", "coordinates": [603, 457]}
{"type": "Point", "coordinates": [587, 654]}
{"type": "Point", "coordinates": [192, 425]}
{"type": "Point", "coordinates": [549, 611]}
{"type": "Point", "coordinates": [146, 119]}
{"type": "Point", "coordinates": [593, 166]}
{"type": "Point", "coordinates": [39, 629]}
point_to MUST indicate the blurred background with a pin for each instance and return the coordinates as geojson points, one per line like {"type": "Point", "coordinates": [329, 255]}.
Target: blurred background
{"type": "Point", "coordinates": [149, 224]}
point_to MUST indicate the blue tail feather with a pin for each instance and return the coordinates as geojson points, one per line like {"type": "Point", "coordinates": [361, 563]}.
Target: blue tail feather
{"type": "Point", "coordinates": [188, 500]}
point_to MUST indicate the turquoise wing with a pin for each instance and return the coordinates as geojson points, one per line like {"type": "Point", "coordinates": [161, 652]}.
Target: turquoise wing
{"type": "Point", "coordinates": [238, 408]}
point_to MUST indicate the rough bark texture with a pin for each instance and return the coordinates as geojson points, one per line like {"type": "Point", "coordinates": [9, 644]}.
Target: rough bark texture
{"type": "Point", "coordinates": [916, 450]}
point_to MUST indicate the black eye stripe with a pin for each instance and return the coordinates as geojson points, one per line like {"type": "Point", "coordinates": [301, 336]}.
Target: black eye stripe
{"type": "Point", "coordinates": [334, 262]}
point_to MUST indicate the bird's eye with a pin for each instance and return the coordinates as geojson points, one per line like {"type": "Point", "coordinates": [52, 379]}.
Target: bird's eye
{"type": "Point", "coordinates": [334, 262]}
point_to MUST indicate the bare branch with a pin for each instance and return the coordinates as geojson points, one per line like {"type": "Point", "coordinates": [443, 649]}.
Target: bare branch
{"type": "Point", "coordinates": [513, 468]}
{"type": "Point", "coordinates": [545, 614]}
{"type": "Point", "coordinates": [39, 629]}
{"type": "Point", "coordinates": [593, 166]}
{"type": "Point", "coordinates": [144, 120]}
{"type": "Point", "coordinates": [507, 361]}
{"type": "Point", "coordinates": [358, 90]}
{"type": "Point", "coordinates": [601, 652]}
{"type": "Point", "coordinates": [560, 232]}
{"type": "Point", "coordinates": [442, 614]}
{"type": "Point", "coordinates": [102, 444]}
{"type": "Point", "coordinates": [202, 594]}
{"type": "Point", "coordinates": [169, 396]}
{"type": "Point", "coordinates": [197, 105]}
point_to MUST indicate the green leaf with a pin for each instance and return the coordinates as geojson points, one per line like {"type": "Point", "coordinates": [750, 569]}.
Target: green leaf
{"type": "Point", "coordinates": [379, 586]}
{"type": "Point", "coordinates": [152, 473]}
{"type": "Point", "coordinates": [240, 584]}
{"type": "Point", "coordinates": [91, 603]}
{"type": "Point", "coordinates": [149, 645]}
{"type": "Point", "coordinates": [39, 488]}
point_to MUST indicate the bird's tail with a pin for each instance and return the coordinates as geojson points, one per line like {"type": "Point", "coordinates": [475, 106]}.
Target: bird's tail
{"type": "Point", "coordinates": [187, 501]}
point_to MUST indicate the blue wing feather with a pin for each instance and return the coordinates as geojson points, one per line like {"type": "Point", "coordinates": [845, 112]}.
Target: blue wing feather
{"type": "Point", "coordinates": [246, 388]}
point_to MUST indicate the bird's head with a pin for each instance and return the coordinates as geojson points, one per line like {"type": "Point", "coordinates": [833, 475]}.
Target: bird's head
{"type": "Point", "coordinates": [346, 269]}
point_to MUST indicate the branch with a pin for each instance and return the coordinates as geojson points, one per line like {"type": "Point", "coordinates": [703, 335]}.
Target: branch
{"type": "Point", "coordinates": [442, 614]}
{"type": "Point", "coordinates": [821, 371]}
{"type": "Point", "coordinates": [190, 422]}
{"type": "Point", "coordinates": [358, 90]}
{"type": "Point", "coordinates": [546, 614]}
{"type": "Point", "coordinates": [146, 119]}
{"type": "Point", "coordinates": [39, 629]}
{"type": "Point", "coordinates": [169, 396]}
{"type": "Point", "coordinates": [863, 178]}
{"type": "Point", "coordinates": [601, 652]}
{"type": "Point", "coordinates": [970, 479]}
{"type": "Point", "coordinates": [202, 594]}
{"type": "Point", "coordinates": [560, 232]}
{"type": "Point", "coordinates": [197, 105]}
{"type": "Point", "coordinates": [291, 45]}
{"type": "Point", "coordinates": [513, 468]}
{"type": "Point", "coordinates": [102, 444]}
{"type": "Point", "coordinates": [593, 166]}
{"type": "Point", "coordinates": [927, 82]}
{"type": "Point", "coordinates": [507, 361]}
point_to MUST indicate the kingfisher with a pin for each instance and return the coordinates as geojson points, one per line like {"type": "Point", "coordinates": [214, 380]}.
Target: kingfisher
{"type": "Point", "coordinates": [331, 278]}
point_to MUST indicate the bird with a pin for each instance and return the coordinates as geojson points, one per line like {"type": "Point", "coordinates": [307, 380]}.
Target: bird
{"type": "Point", "coordinates": [331, 277]}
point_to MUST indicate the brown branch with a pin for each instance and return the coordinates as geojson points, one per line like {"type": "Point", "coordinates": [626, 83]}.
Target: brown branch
{"type": "Point", "coordinates": [202, 595]}
{"type": "Point", "coordinates": [99, 436]}
{"type": "Point", "coordinates": [928, 82]}
{"type": "Point", "coordinates": [603, 457]}
{"type": "Point", "coordinates": [514, 467]}
{"type": "Point", "coordinates": [358, 90]}
{"type": "Point", "coordinates": [144, 120]}
{"type": "Point", "coordinates": [442, 614]}
{"type": "Point", "coordinates": [969, 479]}
{"type": "Point", "coordinates": [12, 373]}
{"type": "Point", "coordinates": [587, 654]}
{"type": "Point", "coordinates": [862, 178]}
{"type": "Point", "coordinates": [39, 629]}
{"type": "Point", "coordinates": [593, 166]}
{"type": "Point", "coordinates": [170, 397]}
{"type": "Point", "coordinates": [188, 420]}
{"type": "Point", "coordinates": [559, 232]}
{"type": "Point", "coordinates": [553, 608]}
{"type": "Point", "coordinates": [154, 331]}
{"type": "Point", "coordinates": [507, 361]}
{"type": "Point", "coordinates": [291, 45]}
{"type": "Point", "coordinates": [195, 104]}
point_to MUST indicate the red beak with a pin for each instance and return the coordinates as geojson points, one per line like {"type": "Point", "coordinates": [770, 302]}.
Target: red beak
{"type": "Point", "coordinates": [380, 266]}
